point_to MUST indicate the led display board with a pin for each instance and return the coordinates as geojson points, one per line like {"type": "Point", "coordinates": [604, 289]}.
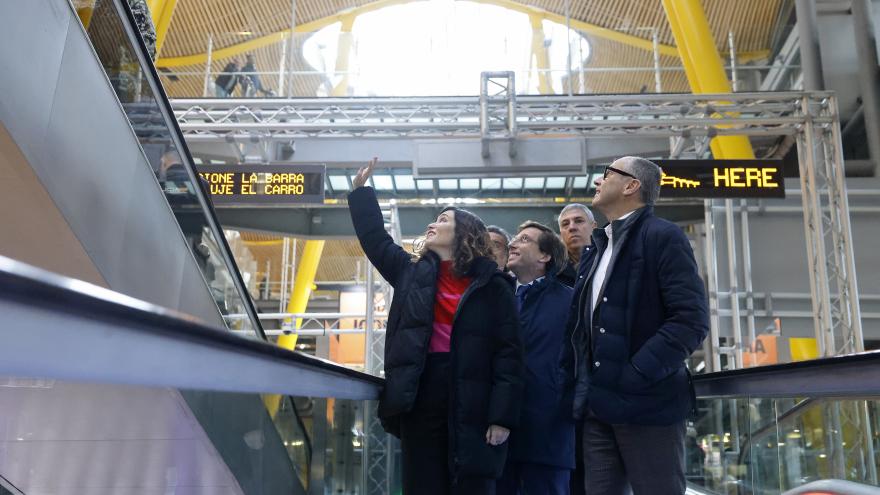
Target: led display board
{"type": "Point", "coordinates": [264, 184]}
{"type": "Point", "coordinates": [722, 179]}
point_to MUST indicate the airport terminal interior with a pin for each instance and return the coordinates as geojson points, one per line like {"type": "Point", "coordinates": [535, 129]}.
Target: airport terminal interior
{"type": "Point", "coordinates": [184, 305]}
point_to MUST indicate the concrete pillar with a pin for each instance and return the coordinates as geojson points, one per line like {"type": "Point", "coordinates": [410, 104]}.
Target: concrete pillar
{"type": "Point", "coordinates": [808, 35]}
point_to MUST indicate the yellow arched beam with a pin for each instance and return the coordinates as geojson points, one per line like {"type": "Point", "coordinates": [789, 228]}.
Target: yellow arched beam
{"type": "Point", "coordinates": [309, 27]}
{"type": "Point", "coordinates": [687, 61]}
{"type": "Point", "coordinates": [161, 11]}
{"type": "Point", "coordinates": [539, 53]}
{"type": "Point", "coordinates": [608, 34]}
{"type": "Point", "coordinates": [302, 287]}
{"type": "Point", "coordinates": [695, 41]}
{"type": "Point", "coordinates": [275, 242]}
{"type": "Point", "coordinates": [343, 54]}
{"type": "Point", "coordinates": [269, 39]}
{"type": "Point", "coordinates": [299, 299]}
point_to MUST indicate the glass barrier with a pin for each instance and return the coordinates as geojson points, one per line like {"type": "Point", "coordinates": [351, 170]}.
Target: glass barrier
{"type": "Point", "coordinates": [156, 136]}
{"type": "Point", "coordinates": [770, 446]}
{"type": "Point", "coordinates": [114, 437]}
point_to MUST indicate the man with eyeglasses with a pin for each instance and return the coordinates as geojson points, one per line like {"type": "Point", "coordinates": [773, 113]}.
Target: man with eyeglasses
{"type": "Point", "coordinates": [639, 311]}
{"type": "Point", "coordinates": [541, 454]}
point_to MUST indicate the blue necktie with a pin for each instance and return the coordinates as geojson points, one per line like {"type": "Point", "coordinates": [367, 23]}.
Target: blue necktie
{"type": "Point", "coordinates": [521, 296]}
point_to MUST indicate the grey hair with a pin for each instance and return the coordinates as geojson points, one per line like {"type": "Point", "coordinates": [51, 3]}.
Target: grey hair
{"type": "Point", "coordinates": [498, 230]}
{"type": "Point", "coordinates": [576, 206]}
{"type": "Point", "coordinates": [648, 174]}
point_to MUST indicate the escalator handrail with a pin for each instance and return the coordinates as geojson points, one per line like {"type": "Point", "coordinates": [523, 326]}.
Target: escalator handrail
{"type": "Point", "coordinates": [853, 375]}
{"type": "Point", "coordinates": [158, 91]}
{"type": "Point", "coordinates": [41, 291]}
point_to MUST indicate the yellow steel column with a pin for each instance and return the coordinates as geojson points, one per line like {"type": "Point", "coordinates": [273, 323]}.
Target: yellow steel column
{"type": "Point", "coordinates": [686, 60]}
{"type": "Point", "coordinates": [539, 54]}
{"type": "Point", "coordinates": [161, 12]}
{"type": "Point", "coordinates": [299, 299]}
{"type": "Point", "coordinates": [696, 47]}
{"type": "Point", "coordinates": [343, 54]}
{"type": "Point", "coordinates": [302, 287]}
{"type": "Point", "coordinates": [84, 9]}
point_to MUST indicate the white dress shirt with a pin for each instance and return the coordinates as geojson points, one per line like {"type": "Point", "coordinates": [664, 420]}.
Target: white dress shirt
{"type": "Point", "coordinates": [599, 276]}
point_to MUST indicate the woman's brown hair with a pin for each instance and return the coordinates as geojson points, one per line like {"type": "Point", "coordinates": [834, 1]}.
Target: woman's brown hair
{"type": "Point", "coordinates": [471, 241]}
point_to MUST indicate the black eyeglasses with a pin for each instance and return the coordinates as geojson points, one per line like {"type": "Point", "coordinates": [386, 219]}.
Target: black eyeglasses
{"type": "Point", "coordinates": [617, 171]}
{"type": "Point", "coordinates": [521, 239]}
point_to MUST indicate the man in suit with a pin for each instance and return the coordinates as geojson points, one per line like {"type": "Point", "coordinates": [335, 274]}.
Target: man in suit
{"type": "Point", "coordinates": [541, 452]}
{"type": "Point", "coordinates": [576, 222]}
{"type": "Point", "coordinates": [639, 311]}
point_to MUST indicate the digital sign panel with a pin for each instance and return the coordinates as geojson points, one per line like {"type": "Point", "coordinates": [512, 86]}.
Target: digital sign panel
{"type": "Point", "coordinates": [722, 179]}
{"type": "Point", "coordinates": [264, 184]}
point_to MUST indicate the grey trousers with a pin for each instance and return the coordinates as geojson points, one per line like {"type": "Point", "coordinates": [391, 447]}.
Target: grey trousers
{"type": "Point", "coordinates": [648, 460]}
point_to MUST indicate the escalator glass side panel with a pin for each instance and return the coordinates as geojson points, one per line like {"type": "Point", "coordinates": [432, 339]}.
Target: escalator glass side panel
{"type": "Point", "coordinates": [774, 445]}
{"type": "Point", "coordinates": [157, 137]}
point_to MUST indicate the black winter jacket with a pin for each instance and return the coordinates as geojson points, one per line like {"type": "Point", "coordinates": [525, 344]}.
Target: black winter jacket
{"type": "Point", "coordinates": [486, 352]}
{"type": "Point", "coordinates": [628, 364]}
{"type": "Point", "coordinates": [569, 275]}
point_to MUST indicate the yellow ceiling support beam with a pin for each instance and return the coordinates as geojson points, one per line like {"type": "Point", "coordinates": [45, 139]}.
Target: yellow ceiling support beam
{"type": "Point", "coordinates": [703, 65]}
{"type": "Point", "coordinates": [540, 56]}
{"type": "Point", "coordinates": [269, 39]}
{"type": "Point", "coordinates": [272, 243]}
{"type": "Point", "coordinates": [299, 299]}
{"type": "Point", "coordinates": [343, 55]}
{"type": "Point", "coordinates": [302, 287]}
{"type": "Point", "coordinates": [605, 33]}
{"type": "Point", "coordinates": [318, 24]}
{"type": "Point", "coordinates": [161, 11]}
{"type": "Point", "coordinates": [687, 62]}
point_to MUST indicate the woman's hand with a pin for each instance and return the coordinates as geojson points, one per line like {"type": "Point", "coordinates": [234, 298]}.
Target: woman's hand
{"type": "Point", "coordinates": [363, 174]}
{"type": "Point", "coordinates": [496, 435]}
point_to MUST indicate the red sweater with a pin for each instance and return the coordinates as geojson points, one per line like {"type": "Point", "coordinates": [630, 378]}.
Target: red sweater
{"type": "Point", "coordinates": [449, 291]}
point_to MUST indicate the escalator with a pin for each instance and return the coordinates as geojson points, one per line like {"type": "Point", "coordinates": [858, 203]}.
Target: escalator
{"type": "Point", "coordinates": [807, 427]}
{"type": "Point", "coordinates": [164, 395]}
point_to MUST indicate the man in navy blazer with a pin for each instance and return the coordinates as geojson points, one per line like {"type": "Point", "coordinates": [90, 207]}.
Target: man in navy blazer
{"type": "Point", "coordinates": [639, 311]}
{"type": "Point", "coordinates": [541, 454]}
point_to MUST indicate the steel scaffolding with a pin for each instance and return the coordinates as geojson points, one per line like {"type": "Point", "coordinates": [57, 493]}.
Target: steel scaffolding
{"type": "Point", "coordinates": [688, 116]}
{"type": "Point", "coordinates": [689, 120]}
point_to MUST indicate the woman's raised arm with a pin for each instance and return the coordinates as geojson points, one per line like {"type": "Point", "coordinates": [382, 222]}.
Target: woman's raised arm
{"type": "Point", "coordinates": [366, 216]}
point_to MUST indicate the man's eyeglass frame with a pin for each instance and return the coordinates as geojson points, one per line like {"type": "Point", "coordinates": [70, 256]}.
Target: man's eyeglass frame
{"type": "Point", "coordinates": [609, 168]}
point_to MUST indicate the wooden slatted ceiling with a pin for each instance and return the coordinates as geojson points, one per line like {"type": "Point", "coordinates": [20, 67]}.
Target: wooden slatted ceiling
{"type": "Point", "coordinates": [750, 20]}
{"type": "Point", "coordinates": [339, 260]}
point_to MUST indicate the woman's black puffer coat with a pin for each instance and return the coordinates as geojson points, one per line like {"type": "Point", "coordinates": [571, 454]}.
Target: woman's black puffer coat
{"type": "Point", "coordinates": [486, 357]}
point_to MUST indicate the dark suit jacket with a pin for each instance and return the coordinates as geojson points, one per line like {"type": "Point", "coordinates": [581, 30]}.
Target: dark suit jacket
{"type": "Point", "coordinates": [546, 432]}
{"type": "Point", "coordinates": [651, 314]}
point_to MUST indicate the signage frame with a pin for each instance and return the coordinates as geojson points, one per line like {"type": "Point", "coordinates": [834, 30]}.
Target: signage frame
{"type": "Point", "coordinates": [313, 185]}
{"type": "Point", "coordinates": [743, 179]}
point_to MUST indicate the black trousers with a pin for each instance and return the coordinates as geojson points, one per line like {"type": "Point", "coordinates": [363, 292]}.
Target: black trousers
{"type": "Point", "coordinates": [648, 460]}
{"type": "Point", "coordinates": [577, 476]}
{"type": "Point", "coordinates": [424, 439]}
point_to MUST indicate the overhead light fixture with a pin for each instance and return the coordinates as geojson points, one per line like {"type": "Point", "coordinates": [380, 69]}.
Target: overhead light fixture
{"type": "Point", "coordinates": [245, 33]}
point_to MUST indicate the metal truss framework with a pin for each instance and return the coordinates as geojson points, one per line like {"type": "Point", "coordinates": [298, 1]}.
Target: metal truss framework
{"type": "Point", "coordinates": [689, 120]}
{"type": "Point", "coordinates": [688, 116]}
